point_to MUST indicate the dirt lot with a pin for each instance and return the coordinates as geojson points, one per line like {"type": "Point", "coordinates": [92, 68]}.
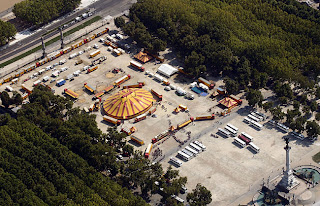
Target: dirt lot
{"type": "Point", "coordinates": [224, 168]}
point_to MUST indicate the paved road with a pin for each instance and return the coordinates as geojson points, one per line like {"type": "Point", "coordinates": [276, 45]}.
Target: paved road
{"type": "Point", "coordinates": [111, 7]}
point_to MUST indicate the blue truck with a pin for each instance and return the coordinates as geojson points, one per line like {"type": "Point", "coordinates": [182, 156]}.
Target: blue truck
{"type": "Point", "coordinates": [61, 82]}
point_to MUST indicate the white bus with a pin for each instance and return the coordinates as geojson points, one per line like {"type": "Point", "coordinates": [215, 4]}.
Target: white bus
{"type": "Point", "coordinates": [187, 152]}
{"type": "Point", "coordinates": [261, 115]}
{"type": "Point", "coordinates": [254, 147]}
{"type": "Point", "coordinates": [239, 142]}
{"type": "Point", "coordinates": [224, 132]}
{"type": "Point", "coordinates": [247, 136]}
{"type": "Point", "coordinates": [257, 116]}
{"type": "Point", "coordinates": [200, 145]}
{"type": "Point", "coordinates": [297, 135]}
{"type": "Point", "coordinates": [197, 148]}
{"type": "Point", "coordinates": [256, 125]}
{"type": "Point", "coordinates": [253, 118]}
{"type": "Point", "coordinates": [232, 132]}
{"type": "Point", "coordinates": [247, 120]}
{"type": "Point", "coordinates": [183, 156]}
{"type": "Point", "coordinates": [175, 161]}
{"type": "Point", "coordinates": [233, 127]}
{"type": "Point", "coordinates": [194, 152]}
{"type": "Point", "coordinates": [283, 127]}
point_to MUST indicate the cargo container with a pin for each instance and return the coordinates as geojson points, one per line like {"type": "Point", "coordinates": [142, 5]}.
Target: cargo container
{"type": "Point", "coordinates": [60, 82]}
{"type": "Point", "coordinates": [91, 69]}
{"type": "Point", "coordinates": [109, 88]}
{"type": "Point", "coordinates": [160, 136]}
{"type": "Point", "coordinates": [157, 94]}
{"type": "Point", "coordinates": [111, 120]}
{"type": "Point", "coordinates": [179, 126]}
{"type": "Point", "coordinates": [140, 117]}
{"type": "Point", "coordinates": [71, 93]}
{"type": "Point", "coordinates": [89, 87]}
{"type": "Point", "coordinates": [205, 118]}
{"type": "Point", "coordinates": [95, 53]}
{"type": "Point", "coordinates": [238, 100]}
{"type": "Point", "coordinates": [27, 89]}
{"type": "Point", "coordinates": [137, 65]}
{"type": "Point", "coordinates": [206, 82]}
{"type": "Point", "coordinates": [137, 85]}
{"type": "Point", "coordinates": [137, 140]}
{"type": "Point", "coordinates": [152, 111]}
{"type": "Point", "coordinates": [148, 151]}
{"type": "Point", "coordinates": [183, 107]}
{"type": "Point", "coordinates": [122, 79]}
{"type": "Point", "coordinates": [99, 94]}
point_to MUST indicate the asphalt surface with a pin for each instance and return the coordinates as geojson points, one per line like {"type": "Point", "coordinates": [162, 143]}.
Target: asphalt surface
{"type": "Point", "coordinates": [108, 7]}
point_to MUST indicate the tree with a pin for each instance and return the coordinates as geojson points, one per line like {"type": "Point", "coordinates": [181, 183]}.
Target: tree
{"type": "Point", "coordinates": [277, 113]}
{"type": "Point", "coordinates": [158, 45]}
{"type": "Point", "coordinates": [254, 97]}
{"type": "Point", "coordinates": [318, 116]}
{"type": "Point", "coordinates": [119, 22]}
{"type": "Point", "coordinates": [313, 129]}
{"type": "Point", "coordinates": [296, 104]}
{"type": "Point", "coordinates": [5, 98]}
{"type": "Point", "coordinates": [7, 31]}
{"type": "Point", "coordinates": [313, 106]}
{"type": "Point", "coordinates": [128, 149]}
{"type": "Point", "coordinates": [199, 196]}
{"type": "Point", "coordinates": [267, 106]}
{"type": "Point", "coordinates": [232, 87]}
{"type": "Point", "coordinates": [17, 99]}
{"type": "Point", "coordinates": [298, 124]}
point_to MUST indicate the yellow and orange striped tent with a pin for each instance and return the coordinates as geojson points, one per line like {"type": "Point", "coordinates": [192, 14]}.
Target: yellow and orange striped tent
{"type": "Point", "coordinates": [228, 102]}
{"type": "Point", "coordinates": [143, 57]}
{"type": "Point", "coordinates": [128, 103]}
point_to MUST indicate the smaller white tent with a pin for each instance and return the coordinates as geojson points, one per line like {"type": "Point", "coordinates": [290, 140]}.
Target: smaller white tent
{"type": "Point", "coordinates": [167, 70]}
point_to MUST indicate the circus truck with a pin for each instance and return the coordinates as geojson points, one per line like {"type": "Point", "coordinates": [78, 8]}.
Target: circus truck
{"type": "Point", "coordinates": [95, 53]}
{"type": "Point", "coordinates": [211, 117]}
{"type": "Point", "coordinates": [137, 140]}
{"type": "Point", "coordinates": [206, 82]}
{"type": "Point", "coordinates": [137, 85]}
{"type": "Point", "coordinates": [111, 120]}
{"type": "Point", "coordinates": [89, 87]}
{"type": "Point", "coordinates": [179, 126]}
{"type": "Point", "coordinates": [121, 80]}
{"type": "Point", "coordinates": [160, 136]}
{"type": "Point", "coordinates": [71, 93]}
{"type": "Point", "coordinates": [157, 94]}
{"type": "Point", "coordinates": [137, 65]}
{"type": "Point", "coordinates": [148, 150]}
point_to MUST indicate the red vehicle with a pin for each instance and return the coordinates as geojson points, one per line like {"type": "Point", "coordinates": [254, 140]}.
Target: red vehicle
{"type": "Point", "coordinates": [243, 138]}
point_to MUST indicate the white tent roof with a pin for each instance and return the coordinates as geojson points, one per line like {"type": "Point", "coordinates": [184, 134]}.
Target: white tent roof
{"type": "Point", "coordinates": [167, 70]}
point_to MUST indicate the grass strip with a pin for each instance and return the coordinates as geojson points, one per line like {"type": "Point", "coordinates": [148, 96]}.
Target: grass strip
{"type": "Point", "coordinates": [51, 41]}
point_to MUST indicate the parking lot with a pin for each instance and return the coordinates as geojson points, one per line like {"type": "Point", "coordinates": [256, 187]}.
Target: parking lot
{"type": "Point", "coordinates": [224, 168]}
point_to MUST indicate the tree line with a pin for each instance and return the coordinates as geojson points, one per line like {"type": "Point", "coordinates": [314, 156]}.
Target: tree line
{"type": "Point", "coordinates": [38, 12]}
{"type": "Point", "coordinates": [7, 32]}
{"type": "Point", "coordinates": [54, 154]}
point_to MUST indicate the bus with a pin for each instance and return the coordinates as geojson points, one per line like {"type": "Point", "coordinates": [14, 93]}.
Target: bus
{"type": "Point", "coordinates": [247, 120]}
{"type": "Point", "coordinates": [297, 135]}
{"type": "Point", "coordinates": [224, 132]}
{"type": "Point", "coordinates": [194, 152]}
{"type": "Point", "coordinates": [175, 161]}
{"type": "Point", "coordinates": [197, 148]}
{"type": "Point", "coordinates": [239, 142]}
{"type": "Point", "coordinates": [256, 125]}
{"type": "Point", "coordinates": [183, 156]}
{"type": "Point", "coordinates": [282, 127]}
{"type": "Point", "coordinates": [247, 136]}
{"type": "Point", "coordinates": [187, 153]}
{"type": "Point", "coordinates": [257, 116]}
{"type": "Point", "coordinates": [233, 127]}
{"type": "Point", "coordinates": [254, 147]}
{"type": "Point", "coordinates": [243, 138]}
{"type": "Point", "coordinates": [264, 117]}
{"type": "Point", "coordinates": [200, 145]}
{"type": "Point", "coordinates": [253, 118]}
{"type": "Point", "coordinates": [232, 132]}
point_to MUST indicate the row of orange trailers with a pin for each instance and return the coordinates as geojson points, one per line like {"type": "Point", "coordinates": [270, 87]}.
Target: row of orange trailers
{"type": "Point", "coordinates": [56, 55]}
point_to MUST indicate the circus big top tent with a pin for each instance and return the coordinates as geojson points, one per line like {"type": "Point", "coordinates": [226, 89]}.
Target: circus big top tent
{"type": "Point", "coordinates": [128, 103]}
{"type": "Point", "coordinates": [143, 57]}
{"type": "Point", "coordinates": [228, 102]}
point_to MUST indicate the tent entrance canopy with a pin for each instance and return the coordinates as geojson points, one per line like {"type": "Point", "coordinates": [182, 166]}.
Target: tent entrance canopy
{"type": "Point", "coordinates": [167, 70]}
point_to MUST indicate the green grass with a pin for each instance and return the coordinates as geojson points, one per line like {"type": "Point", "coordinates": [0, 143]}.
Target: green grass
{"type": "Point", "coordinates": [51, 41]}
{"type": "Point", "coordinates": [316, 157]}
